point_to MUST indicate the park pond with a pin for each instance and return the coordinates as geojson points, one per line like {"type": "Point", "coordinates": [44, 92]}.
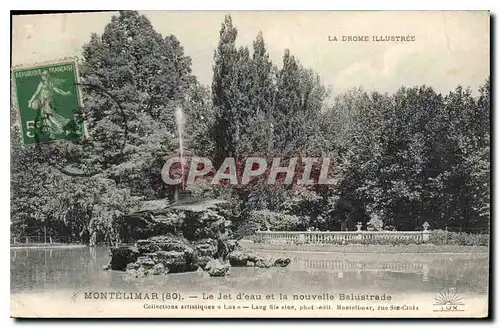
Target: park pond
{"type": "Point", "coordinates": [80, 268]}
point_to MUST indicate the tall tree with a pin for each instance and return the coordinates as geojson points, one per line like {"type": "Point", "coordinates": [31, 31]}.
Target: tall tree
{"type": "Point", "coordinates": [261, 123]}
{"type": "Point", "coordinates": [288, 100]}
{"type": "Point", "coordinates": [133, 80]}
{"type": "Point", "coordinates": [262, 77]}
{"type": "Point", "coordinates": [299, 102]}
{"type": "Point", "coordinates": [224, 90]}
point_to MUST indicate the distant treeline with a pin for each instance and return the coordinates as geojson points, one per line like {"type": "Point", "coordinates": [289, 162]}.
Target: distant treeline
{"type": "Point", "coordinates": [401, 159]}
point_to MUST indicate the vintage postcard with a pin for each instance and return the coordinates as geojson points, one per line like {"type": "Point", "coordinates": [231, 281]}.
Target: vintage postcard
{"type": "Point", "coordinates": [253, 164]}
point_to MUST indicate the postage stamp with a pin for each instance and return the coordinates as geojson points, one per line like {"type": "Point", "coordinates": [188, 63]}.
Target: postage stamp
{"type": "Point", "coordinates": [48, 101]}
{"type": "Point", "coordinates": [252, 164]}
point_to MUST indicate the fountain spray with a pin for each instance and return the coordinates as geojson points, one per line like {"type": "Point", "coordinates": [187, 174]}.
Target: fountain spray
{"type": "Point", "coordinates": [179, 119]}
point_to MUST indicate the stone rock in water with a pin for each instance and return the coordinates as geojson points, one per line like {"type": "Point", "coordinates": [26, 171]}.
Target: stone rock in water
{"type": "Point", "coordinates": [140, 273]}
{"type": "Point", "coordinates": [173, 253]}
{"type": "Point", "coordinates": [152, 256]}
{"type": "Point", "coordinates": [240, 258]}
{"type": "Point", "coordinates": [174, 261]}
{"type": "Point", "coordinates": [264, 263]}
{"type": "Point", "coordinates": [282, 262]}
{"type": "Point", "coordinates": [158, 269]}
{"type": "Point", "coordinates": [203, 260]}
{"type": "Point", "coordinates": [209, 265]}
{"type": "Point", "coordinates": [132, 266]}
{"type": "Point", "coordinates": [216, 268]}
{"type": "Point", "coordinates": [206, 247]}
{"type": "Point", "coordinates": [164, 243]}
{"type": "Point", "coordinates": [145, 262]}
{"type": "Point", "coordinates": [136, 270]}
{"type": "Point", "coordinates": [121, 256]}
{"type": "Point", "coordinates": [255, 257]}
{"type": "Point", "coordinates": [135, 273]}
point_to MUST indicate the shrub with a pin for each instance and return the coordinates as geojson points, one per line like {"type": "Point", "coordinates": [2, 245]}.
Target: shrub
{"type": "Point", "coordinates": [256, 239]}
{"type": "Point", "coordinates": [441, 237]}
{"type": "Point", "coordinates": [375, 224]}
{"type": "Point", "coordinates": [274, 220]}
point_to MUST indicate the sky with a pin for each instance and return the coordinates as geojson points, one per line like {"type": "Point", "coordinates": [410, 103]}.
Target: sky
{"type": "Point", "coordinates": [450, 48]}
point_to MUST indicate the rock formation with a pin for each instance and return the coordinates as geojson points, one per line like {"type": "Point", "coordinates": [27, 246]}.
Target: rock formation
{"type": "Point", "coordinates": [240, 258]}
{"type": "Point", "coordinates": [216, 268]}
{"type": "Point", "coordinates": [183, 238]}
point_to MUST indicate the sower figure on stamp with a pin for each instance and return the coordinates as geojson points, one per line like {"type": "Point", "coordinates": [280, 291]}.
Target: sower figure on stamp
{"type": "Point", "coordinates": [51, 122]}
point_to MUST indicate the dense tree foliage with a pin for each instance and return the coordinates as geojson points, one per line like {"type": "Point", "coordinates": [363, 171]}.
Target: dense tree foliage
{"type": "Point", "coordinates": [132, 79]}
{"type": "Point", "coordinates": [399, 159]}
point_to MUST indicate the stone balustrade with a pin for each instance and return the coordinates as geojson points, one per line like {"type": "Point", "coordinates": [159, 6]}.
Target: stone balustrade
{"type": "Point", "coordinates": [334, 237]}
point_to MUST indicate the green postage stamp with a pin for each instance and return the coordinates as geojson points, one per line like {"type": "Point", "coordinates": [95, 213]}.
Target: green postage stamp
{"type": "Point", "coordinates": [48, 100]}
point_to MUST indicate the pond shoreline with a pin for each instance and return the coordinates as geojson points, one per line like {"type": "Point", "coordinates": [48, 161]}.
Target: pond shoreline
{"type": "Point", "coordinates": [47, 245]}
{"type": "Point", "coordinates": [317, 248]}
{"type": "Point", "coordinates": [356, 248]}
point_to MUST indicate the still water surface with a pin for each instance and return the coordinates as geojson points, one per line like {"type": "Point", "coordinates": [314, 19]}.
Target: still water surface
{"type": "Point", "coordinates": [63, 269]}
